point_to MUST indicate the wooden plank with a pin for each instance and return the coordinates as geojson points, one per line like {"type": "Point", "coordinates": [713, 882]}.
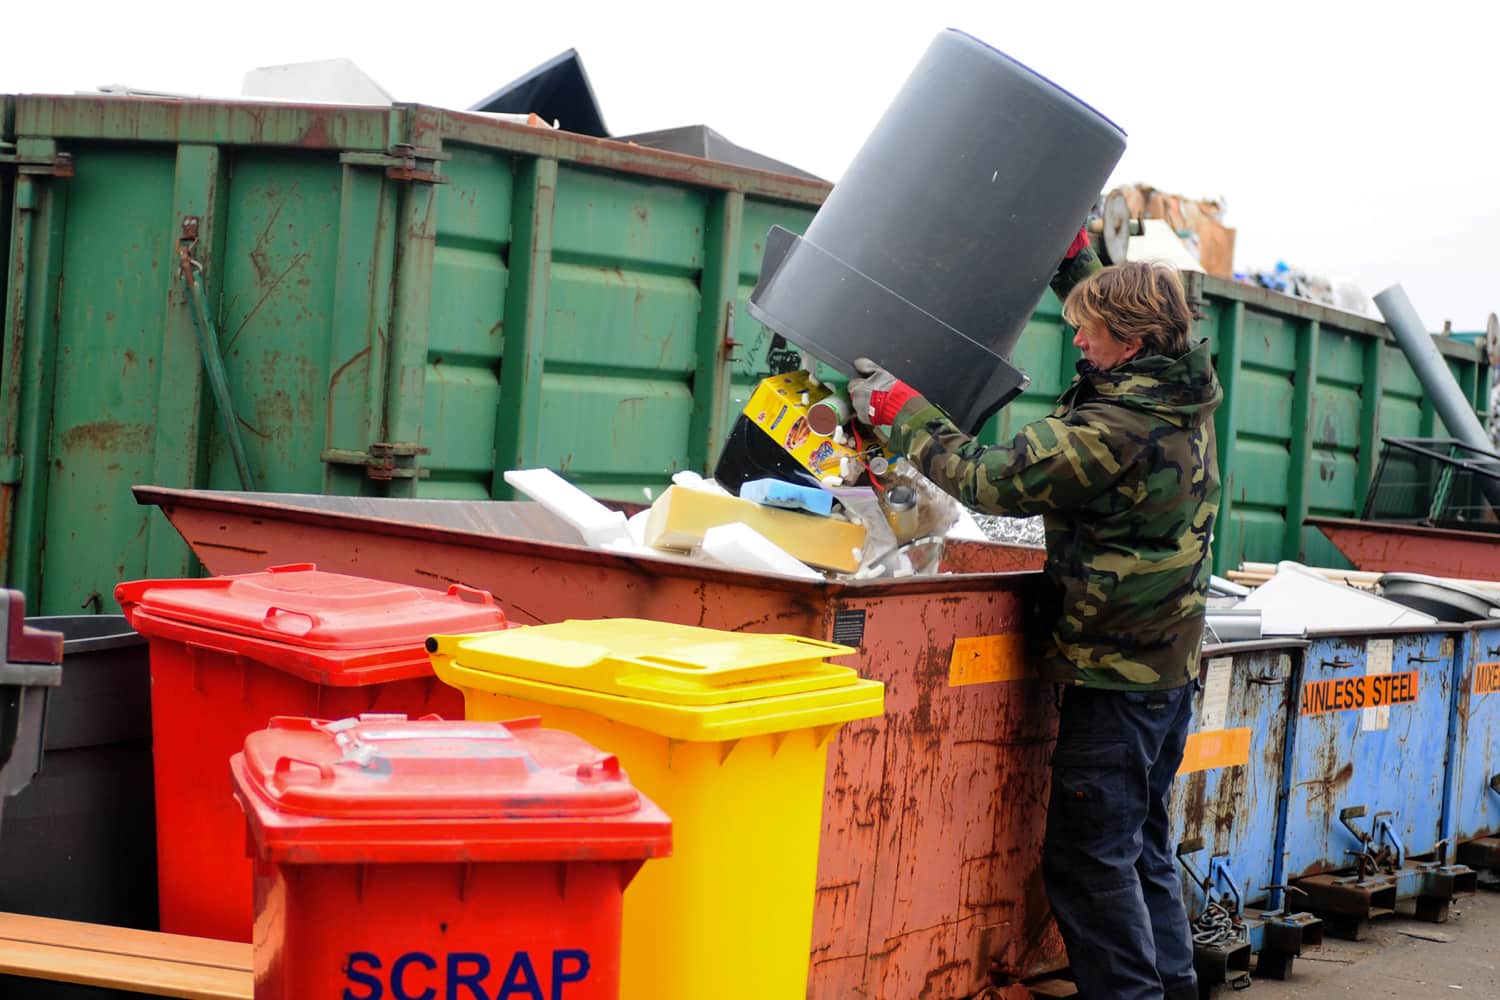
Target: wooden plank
{"type": "Point", "coordinates": [167, 965]}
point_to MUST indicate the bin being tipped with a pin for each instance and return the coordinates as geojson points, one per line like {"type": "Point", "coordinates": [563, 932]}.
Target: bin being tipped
{"type": "Point", "coordinates": [936, 245]}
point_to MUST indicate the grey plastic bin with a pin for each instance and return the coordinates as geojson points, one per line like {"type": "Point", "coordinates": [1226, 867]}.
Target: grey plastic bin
{"type": "Point", "coordinates": [79, 843]}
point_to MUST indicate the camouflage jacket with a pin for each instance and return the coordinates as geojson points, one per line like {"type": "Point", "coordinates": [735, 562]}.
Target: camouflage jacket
{"type": "Point", "coordinates": [1125, 475]}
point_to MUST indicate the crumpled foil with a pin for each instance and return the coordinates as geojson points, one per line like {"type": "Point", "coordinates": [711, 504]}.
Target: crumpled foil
{"type": "Point", "coordinates": [1012, 530]}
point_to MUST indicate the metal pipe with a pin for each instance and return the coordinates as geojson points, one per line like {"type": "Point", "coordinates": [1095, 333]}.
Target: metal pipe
{"type": "Point", "coordinates": [213, 362]}
{"type": "Point", "coordinates": [1432, 371]}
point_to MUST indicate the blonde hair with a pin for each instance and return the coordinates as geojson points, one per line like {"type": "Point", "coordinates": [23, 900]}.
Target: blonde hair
{"type": "Point", "coordinates": [1138, 302]}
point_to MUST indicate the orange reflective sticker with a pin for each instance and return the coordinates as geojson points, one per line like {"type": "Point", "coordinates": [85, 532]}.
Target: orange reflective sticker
{"type": "Point", "coordinates": [986, 659]}
{"type": "Point", "coordinates": [1486, 678]}
{"type": "Point", "coordinates": [1219, 748]}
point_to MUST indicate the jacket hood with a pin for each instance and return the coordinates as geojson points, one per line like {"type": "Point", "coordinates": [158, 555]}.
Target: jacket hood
{"type": "Point", "coordinates": [1183, 391]}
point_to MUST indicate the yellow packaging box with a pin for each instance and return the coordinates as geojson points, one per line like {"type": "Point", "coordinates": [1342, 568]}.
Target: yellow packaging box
{"type": "Point", "coordinates": [777, 407]}
{"type": "Point", "coordinates": [680, 517]}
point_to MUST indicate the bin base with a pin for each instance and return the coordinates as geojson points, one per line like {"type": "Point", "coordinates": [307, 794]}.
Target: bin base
{"type": "Point", "coordinates": [1277, 939]}
{"type": "Point", "coordinates": [1274, 965]}
{"type": "Point", "coordinates": [1228, 962]}
{"type": "Point", "coordinates": [1484, 855]}
{"type": "Point", "coordinates": [1348, 903]}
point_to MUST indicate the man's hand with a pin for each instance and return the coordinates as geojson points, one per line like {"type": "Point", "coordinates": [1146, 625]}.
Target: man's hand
{"type": "Point", "coordinates": [1078, 263]}
{"type": "Point", "coordinates": [878, 396]}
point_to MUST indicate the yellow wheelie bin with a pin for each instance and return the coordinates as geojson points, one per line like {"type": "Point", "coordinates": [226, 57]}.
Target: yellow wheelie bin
{"type": "Point", "coordinates": [726, 731]}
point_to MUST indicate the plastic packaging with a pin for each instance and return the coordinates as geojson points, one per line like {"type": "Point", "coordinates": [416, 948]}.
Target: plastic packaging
{"type": "Point", "coordinates": [594, 521]}
{"type": "Point", "coordinates": [921, 518]}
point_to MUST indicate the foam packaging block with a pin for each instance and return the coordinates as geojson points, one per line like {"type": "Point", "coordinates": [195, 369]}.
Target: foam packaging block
{"type": "Point", "coordinates": [595, 522]}
{"type": "Point", "coordinates": [742, 547]}
{"type": "Point", "coordinates": [681, 517]}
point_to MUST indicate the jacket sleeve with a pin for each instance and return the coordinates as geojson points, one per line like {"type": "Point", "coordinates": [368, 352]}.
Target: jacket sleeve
{"type": "Point", "coordinates": [1072, 271]}
{"type": "Point", "coordinates": [1053, 464]}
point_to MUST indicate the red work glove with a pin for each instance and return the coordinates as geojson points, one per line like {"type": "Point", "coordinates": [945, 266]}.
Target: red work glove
{"type": "Point", "coordinates": [878, 396]}
{"type": "Point", "coordinates": [1080, 242]}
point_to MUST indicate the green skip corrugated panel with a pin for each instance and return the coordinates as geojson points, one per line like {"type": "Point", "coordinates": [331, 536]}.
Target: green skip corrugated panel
{"type": "Point", "coordinates": [7, 192]}
{"type": "Point", "coordinates": [582, 306]}
{"type": "Point", "coordinates": [1309, 393]}
{"type": "Point", "coordinates": [410, 300]}
{"type": "Point", "coordinates": [404, 300]}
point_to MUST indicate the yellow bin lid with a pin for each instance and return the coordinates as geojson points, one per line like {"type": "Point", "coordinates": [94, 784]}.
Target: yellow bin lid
{"type": "Point", "coordinates": [678, 681]}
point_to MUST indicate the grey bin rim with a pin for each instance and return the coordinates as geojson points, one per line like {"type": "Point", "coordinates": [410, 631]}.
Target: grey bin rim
{"type": "Point", "coordinates": [1047, 80]}
{"type": "Point", "coordinates": [89, 633]}
{"type": "Point", "coordinates": [1438, 596]}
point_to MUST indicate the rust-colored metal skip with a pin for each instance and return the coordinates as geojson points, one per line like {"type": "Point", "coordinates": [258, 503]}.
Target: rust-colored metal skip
{"type": "Point", "coordinates": [929, 877]}
{"type": "Point", "coordinates": [1402, 548]}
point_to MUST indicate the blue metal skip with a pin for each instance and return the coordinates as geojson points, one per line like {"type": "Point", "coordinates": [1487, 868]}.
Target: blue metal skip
{"type": "Point", "coordinates": [1371, 731]}
{"type": "Point", "coordinates": [1473, 816]}
{"type": "Point", "coordinates": [1369, 773]}
{"type": "Point", "coordinates": [1226, 807]}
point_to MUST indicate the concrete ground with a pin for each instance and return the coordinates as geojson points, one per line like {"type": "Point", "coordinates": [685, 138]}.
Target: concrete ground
{"type": "Point", "coordinates": [1397, 960]}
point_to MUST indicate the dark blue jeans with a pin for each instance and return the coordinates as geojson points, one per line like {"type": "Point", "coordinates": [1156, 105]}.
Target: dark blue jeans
{"type": "Point", "coordinates": [1110, 869]}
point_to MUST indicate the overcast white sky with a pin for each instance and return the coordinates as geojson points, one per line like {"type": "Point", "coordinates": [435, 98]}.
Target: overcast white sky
{"type": "Point", "coordinates": [1355, 139]}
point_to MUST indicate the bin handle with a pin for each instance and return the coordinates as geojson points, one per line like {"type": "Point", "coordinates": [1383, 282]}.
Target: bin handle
{"type": "Point", "coordinates": [472, 595]}
{"type": "Point", "coordinates": [1266, 679]}
{"type": "Point", "coordinates": [1422, 659]}
{"type": "Point", "coordinates": [1338, 664]}
{"type": "Point", "coordinates": [277, 620]}
{"type": "Point", "coordinates": [804, 640]}
{"type": "Point", "coordinates": [284, 767]}
{"type": "Point", "coordinates": [606, 768]}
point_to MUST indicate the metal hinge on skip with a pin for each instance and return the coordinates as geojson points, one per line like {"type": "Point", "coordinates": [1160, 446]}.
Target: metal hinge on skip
{"type": "Point", "coordinates": [40, 159]}
{"type": "Point", "coordinates": [385, 460]}
{"type": "Point", "coordinates": [403, 163]}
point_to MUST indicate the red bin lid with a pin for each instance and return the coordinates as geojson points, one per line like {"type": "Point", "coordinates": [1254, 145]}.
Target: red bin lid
{"type": "Point", "coordinates": [301, 606]}
{"type": "Point", "coordinates": [387, 788]}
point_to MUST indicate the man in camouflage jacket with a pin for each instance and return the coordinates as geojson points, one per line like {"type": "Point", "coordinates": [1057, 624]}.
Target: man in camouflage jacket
{"type": "Point", "coordinates": [1125, 477]}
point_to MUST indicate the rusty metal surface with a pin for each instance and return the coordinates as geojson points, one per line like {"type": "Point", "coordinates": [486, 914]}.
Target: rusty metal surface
{"type": "Point", "coordinates": [1336, 895]}
{"type": "Point", "coordinates": [469, 127]}
{"type": "Point", "coordinates": [1475, 795]}
{"type": "Point", "coordinates": [376, 130]}
{"type": "Point", "coordinates": [1401, 548]}
{"type": "Point", "coordinates": [142, 119]}
{"type": "Point", "coordinates": [930, 871]}
{"type": "Point", "coordinates": [991, 557]}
